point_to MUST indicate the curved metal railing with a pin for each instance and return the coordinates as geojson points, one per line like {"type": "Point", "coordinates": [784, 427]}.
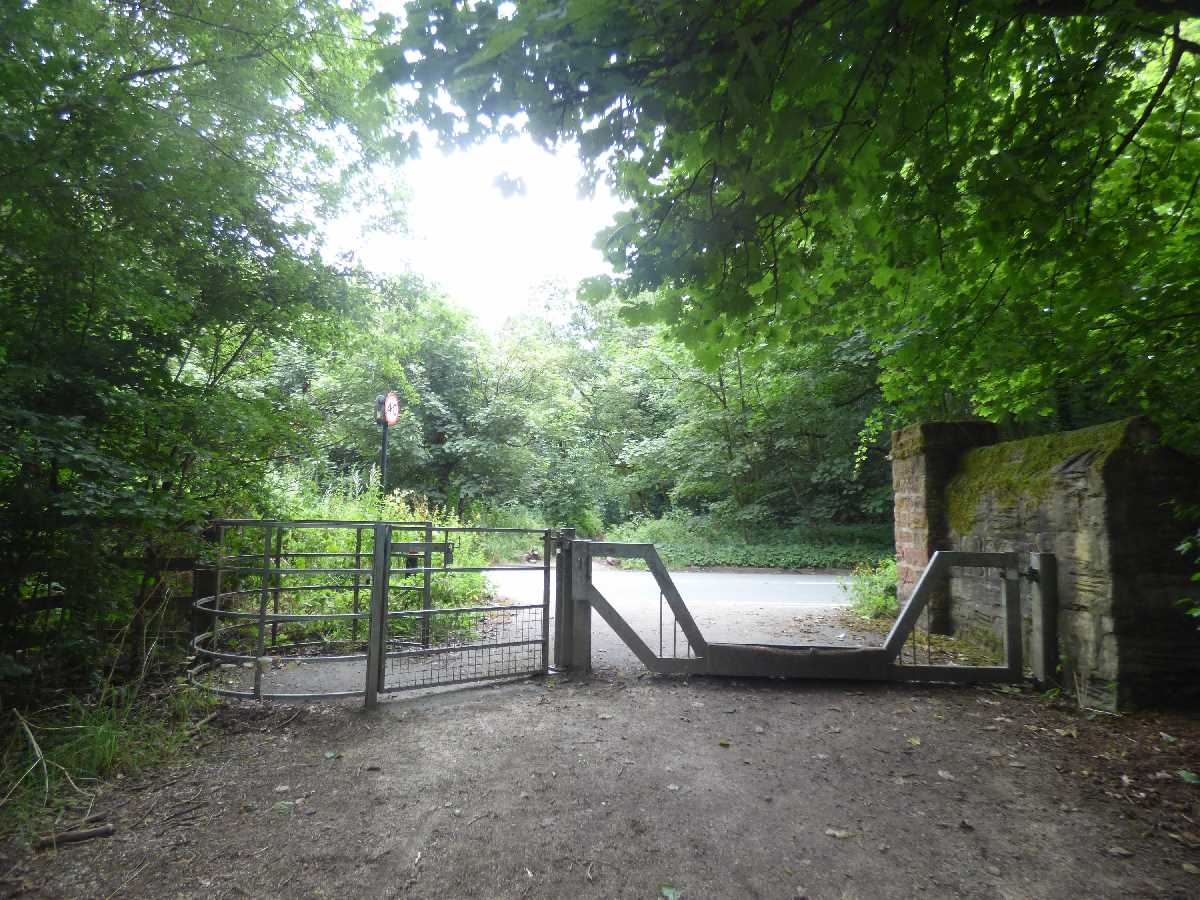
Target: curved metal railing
{"type": "Point", "coordinates": [286, 591]}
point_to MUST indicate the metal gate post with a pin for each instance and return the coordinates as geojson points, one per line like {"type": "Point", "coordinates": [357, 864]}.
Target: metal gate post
{"type": "Point", "coordinates": [204, 582]}
{"type": "Point", "coordinates": [547, 558]}
{"type": "Point", "coordinates": [581, 608]}
{"type": "Point", "coordinates": [1011, 593]}
{"type": "Point", "coordinates": [427, 583]}
{"type": "Point", "coordinates": [377, 623]}
{"type": "Point", "coordinates": [562, 602]}
{"type": "Point", "coordinates": [1044, 633]}
{"type": "Point", "coordinates": [264, 592]}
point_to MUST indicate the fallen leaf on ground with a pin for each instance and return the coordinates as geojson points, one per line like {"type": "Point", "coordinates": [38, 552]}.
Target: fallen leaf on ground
{"type": "Point", "coordinates": [913, 741]}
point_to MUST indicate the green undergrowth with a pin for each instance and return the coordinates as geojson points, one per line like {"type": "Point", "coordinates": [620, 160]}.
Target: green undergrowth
{"type": "Point", "coordinates": [963, 649]}
{"type": "Point", "coordinates": [872, 590]}
{"type": "Point", "coordinates": [505, 548]}
{"type": "Point", "coordinates": [684, 541]}
{"type": "Point", "coordinates": [52, 759]}
{"type": "Point", "coordinates": [347, 500]}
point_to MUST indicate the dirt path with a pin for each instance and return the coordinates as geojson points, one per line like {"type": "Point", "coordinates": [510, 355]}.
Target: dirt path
{"type": "Point", "coordinates": [644, 787]}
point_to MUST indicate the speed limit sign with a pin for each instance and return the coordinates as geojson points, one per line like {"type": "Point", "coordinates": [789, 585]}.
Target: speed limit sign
{"type": "Point", "coordinates": [387, 408]}
{"type": "Point", "coordinates": [391, 408]}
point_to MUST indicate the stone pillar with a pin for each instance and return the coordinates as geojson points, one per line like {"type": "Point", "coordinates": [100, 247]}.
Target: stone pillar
{"type": "Point", "coordinates": [924, 459]}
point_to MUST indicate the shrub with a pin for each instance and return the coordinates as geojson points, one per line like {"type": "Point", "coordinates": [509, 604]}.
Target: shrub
{"type": "Point", "coordinates": [872, 590]}
{"type": "Point", "coordinates": [687, 540]}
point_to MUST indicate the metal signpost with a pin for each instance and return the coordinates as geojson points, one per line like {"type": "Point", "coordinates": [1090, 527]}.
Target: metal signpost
{"type": "Point", "coordinates": [387, 414]}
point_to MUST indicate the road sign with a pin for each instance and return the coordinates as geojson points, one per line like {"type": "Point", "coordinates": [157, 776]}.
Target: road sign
{"type": "Point", "coordinates": [391, 408]}
{"type": "Point", "coordinates": [387, 408]}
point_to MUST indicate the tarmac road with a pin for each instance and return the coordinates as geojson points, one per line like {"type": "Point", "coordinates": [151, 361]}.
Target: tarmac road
{"type": "Point", "coordinates": [734, 607]}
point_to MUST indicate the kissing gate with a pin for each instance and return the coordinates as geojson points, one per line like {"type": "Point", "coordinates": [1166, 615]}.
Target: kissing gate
{"type": "Point", "coordinates": [298, 610]}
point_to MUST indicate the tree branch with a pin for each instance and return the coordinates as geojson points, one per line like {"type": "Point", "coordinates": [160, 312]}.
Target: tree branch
{"type": "Point", "coordinates": [1179, 9]}
{"type": "Point", "coordinates": [152, 71]}
{"type": "Point", "coordinates": [1172, 67]}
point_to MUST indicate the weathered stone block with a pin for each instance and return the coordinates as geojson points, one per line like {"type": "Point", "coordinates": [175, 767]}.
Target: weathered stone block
{"type": "Point", "coordinates": [1100, 500]}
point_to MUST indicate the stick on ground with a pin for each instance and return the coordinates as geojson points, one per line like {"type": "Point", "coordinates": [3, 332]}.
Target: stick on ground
{"type": "Point", "coordinates": [74, 837]}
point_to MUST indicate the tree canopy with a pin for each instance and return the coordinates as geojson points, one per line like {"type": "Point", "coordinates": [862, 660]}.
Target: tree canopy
{"type": "Point", "coordinates": [999, 195]}
{"type": "Point", "coordinates": [161, 169]}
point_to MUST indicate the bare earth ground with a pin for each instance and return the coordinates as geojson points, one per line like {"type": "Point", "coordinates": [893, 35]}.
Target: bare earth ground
{"type": "Point", "coordinates": [644, 787]}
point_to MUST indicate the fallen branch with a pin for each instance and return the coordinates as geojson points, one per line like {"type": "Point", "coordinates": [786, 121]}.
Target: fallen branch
{"type": "Point", "coordinates": [184, 811]}
{"type": "Point", "coordinates": [289, 719]}
{"type": "Point", "coordinates": [74, 837]}
{"type": "Point", "coordinates": [196, 726]}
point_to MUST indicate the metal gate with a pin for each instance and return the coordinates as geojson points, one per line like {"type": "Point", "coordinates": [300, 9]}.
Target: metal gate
{"type": "Point", "coordinates": [423, 645]}
{"type": "Point", "coordinates": [303, 610]}
{"type": "Point", "coordinates": [580, 596]}
{"type": "Point", "coordinates": [274, 606]}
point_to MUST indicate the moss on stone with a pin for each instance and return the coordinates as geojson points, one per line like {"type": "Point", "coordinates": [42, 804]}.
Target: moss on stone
{"type": "Point", "coordinates": [1022, 472]}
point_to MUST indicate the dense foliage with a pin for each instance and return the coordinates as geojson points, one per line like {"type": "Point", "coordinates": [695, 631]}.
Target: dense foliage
{"type": "Point", "coordinates": [871, 590]}
{"type": "Point", "coordinates": [580, 419]}
{"type": "Point", "coordinates": [687, 540]}
{"type": "Point", "coordinates": [162, 168]}
{"type": "Point", "coordinates": [1000, 196]}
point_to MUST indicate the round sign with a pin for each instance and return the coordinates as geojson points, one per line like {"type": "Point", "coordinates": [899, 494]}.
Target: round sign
{"type": "Point", "coordinates": [391, 408]}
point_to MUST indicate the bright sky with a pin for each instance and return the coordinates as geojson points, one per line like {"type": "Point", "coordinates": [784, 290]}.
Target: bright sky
{"type": "Point", "coordinates": [488, 252]}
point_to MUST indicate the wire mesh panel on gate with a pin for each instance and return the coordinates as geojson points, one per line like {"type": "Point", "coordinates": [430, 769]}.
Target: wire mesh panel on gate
{"type": "Point", "coordinates": [464, 644]}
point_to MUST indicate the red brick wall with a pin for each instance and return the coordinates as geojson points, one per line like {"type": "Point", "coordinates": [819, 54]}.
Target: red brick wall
{"type": "Point", "coordinates": [924, 459]}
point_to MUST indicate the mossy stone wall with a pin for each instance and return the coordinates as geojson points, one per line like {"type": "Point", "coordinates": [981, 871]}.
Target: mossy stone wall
{"type": "Point", "coordinates": [1100, 499]}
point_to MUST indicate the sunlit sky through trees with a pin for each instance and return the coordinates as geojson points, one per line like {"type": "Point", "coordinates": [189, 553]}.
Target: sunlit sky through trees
{"type": "Point", "coordinates": [488, 252]}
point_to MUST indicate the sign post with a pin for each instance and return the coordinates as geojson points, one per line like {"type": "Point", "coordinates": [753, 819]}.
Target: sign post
{"type": "Point", "coordinates": [387, 414]}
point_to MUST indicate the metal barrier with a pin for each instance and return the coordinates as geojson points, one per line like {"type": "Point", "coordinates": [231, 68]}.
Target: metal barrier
{"type": "Point", "coordinates": [456, 645]}
{"type": "Point", "coordinates": [381, 630]}
{"type": "Point", "coordinates": [281, 593]}
{"type": "Point", "coordinates": [813, 661]}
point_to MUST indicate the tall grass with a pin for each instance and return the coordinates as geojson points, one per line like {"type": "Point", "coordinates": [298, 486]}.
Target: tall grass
{"type": "Point", "coordinates": [502, 548]}
{"type": "Point", "coordinates": [52, 759]}
{"type": "Point", "coordinates": [872, 590]}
